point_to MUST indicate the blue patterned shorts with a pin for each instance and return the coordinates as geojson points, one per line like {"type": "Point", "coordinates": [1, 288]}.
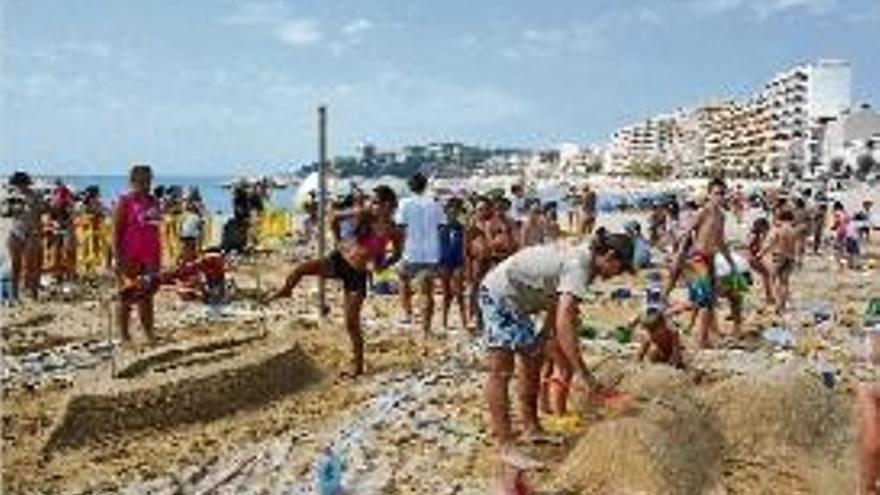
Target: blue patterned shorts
{"type": "Point", "coordinates": [505, 326]}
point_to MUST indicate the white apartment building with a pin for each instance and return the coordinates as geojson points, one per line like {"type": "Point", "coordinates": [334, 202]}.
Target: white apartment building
{"type": "Point", "coordinates": [798, 102]}
{"type": "Point", "coordinates": [780, 128]}
{"type": "Point", "coordinates": [659, 138]}
{"type": "Point", "coordinates": [852, 134]}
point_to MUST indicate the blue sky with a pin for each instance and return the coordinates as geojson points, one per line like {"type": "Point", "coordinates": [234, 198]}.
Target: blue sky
{"type": "Point", "coordinates": [227, 86]}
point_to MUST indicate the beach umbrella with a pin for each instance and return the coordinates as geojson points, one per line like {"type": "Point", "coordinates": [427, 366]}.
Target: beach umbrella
{"type": "Point", "coordinates": [310, 183]}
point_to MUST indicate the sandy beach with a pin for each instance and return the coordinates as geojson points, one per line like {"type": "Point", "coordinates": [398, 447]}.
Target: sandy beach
{"type": "Point", "coordinates": [751, 416]}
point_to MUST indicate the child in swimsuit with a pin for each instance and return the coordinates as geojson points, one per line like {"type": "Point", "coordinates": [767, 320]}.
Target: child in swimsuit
{"type": "Point", "coordinates": [452, 261]}
{"type": "Point", "coordinates": [754, 245]}
{"type": "Point", "coordinates": [783, 244]}
{"type": "Point", "coordinates": [660, 340]}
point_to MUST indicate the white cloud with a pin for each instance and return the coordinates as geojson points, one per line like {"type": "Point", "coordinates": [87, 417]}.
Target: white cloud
{"type": "Point", "coordinates": [544, 43]}
{"type": "Point", "coordinates": [581, 36]}
{"type": "Point", "coordinates": [299, 32]}
{"type": "Point", "coordinates": [254, 12]}
{"type": "Point", "coordinates": [764, 9]}
{"type": "Point", "coordinates": [356, 27]}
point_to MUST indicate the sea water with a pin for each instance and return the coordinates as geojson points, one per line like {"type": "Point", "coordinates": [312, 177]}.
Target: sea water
{"type": "Point", "coordinates": [217, 196]}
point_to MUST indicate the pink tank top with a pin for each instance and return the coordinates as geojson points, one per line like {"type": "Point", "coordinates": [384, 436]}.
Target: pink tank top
{"type": "Point", "coordinates": [140, 239]}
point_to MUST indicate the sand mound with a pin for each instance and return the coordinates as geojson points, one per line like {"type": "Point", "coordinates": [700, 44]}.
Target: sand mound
{"type": "Point", "coordinates": [670, 447]}
{"type": "Point", "coordinates": [786, 405]}
{"type": "Point", "coordinates": [784, 432]}
{"type": "Point", "coordinates": [652, 380]}
{"type": "Point", "coordinates": [780, 432]}
{"type": "Point", "coordinates": [180, 395]}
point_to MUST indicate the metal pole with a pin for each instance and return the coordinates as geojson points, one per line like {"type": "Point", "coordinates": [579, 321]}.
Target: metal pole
{"type": "Point", "coordinates": [322, 204]}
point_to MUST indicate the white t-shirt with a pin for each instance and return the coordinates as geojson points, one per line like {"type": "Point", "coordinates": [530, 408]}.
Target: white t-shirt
{"type": "Point", "coordinates": [422, 218]}
{"type": "Point", "coordinates": [534, 276]}
{"type": "Point", "coordinates": [190, 225]}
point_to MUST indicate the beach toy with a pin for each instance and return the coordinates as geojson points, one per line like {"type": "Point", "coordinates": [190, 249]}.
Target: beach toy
{"type": "Point", "coordinates": [329, 473]}
{"type": "Point", "coordinates": [872, 313]}
{"type": "Point", "coordinates": [622, 334]}
{"type": "Point", "coordinates": [587, 331]}
{"type": "Point", "coordinates": [810, 345]}
{"type": "Point", "coordinates": [620, 294]}
{"type": "Point", "coordinates": [737, 280]}
{"type": "Point", "coordinates": [6, 289]}
{"type": "Point", "coordinates": [737, 283]}
{"type": "Point", "coordinates": [723, 268]}
{"type": "Point", "coordinates": [567, 424]}
{"type": "Point", "coordinates": [821, 312]}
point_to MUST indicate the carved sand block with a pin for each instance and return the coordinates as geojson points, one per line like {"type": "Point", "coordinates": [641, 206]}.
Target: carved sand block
{"type": "Point", "coordinates": [181, 384]}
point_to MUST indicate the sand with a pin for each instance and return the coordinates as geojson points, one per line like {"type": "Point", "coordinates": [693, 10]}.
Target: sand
{"type": "Point", "coordinates": [749, 417]}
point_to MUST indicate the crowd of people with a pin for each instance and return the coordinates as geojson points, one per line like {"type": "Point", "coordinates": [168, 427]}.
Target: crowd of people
{"type": "Point", "coordinates": [504, 260]}
{"type": "Point", "coordinates": [500, 260]}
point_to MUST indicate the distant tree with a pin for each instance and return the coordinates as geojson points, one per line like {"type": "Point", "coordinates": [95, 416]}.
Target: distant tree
{"type": "Point", "coordinates": [654, 169]}
{"type": "Point", "coordinates": [593, 167]}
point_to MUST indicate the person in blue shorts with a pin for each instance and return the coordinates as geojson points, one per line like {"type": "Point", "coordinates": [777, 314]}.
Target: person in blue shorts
{"type": "Point", "coordinates": [550, 279]}
{"type": "Point", "coordinates": [452, 261]}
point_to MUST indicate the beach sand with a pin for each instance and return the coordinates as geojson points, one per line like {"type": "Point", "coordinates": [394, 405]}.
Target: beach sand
{"type": "Point", "coordinates": [415, 424]}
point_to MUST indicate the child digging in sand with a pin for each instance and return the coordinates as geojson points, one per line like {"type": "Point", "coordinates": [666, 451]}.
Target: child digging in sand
{"type": "Point", "coordinates": [659, 342]}
{"type": "Point", "coordinates": [136, 239]}
{"type": "Point", "coordinates": [783, 244]}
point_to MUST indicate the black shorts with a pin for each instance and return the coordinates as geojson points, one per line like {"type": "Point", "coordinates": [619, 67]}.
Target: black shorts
{"type": "Point", "coordinates": [352, 279]}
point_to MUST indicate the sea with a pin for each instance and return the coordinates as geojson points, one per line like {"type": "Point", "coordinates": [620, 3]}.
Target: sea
{"type": "Point", "coordinates": [217, 196]}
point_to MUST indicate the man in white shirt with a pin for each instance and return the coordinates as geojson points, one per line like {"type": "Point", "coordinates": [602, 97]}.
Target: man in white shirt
{"type": "Point", "coordinates": [553, 280]}
{"type": "Point", "coordinates": [420, 216]}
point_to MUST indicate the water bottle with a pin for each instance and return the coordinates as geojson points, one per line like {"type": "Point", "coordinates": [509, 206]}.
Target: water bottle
{"type": "Point", "coordinates": [329, 473]}
{"type": "Point", "coordinates": [6, 285]}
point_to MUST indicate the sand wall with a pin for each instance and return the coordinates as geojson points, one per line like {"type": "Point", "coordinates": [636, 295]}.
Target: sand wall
{"type": "Point", "coordinates": [171, 399]}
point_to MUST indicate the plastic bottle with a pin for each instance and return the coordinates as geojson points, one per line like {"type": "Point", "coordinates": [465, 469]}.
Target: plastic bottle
{"type": "Point", "coordinates": [6, 289]}
{"type": "Point", "coordinates": [328, 473]}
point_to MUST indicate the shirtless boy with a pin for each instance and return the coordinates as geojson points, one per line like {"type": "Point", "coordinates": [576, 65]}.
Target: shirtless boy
{"type": "Point", "coordinates": [705, 230]}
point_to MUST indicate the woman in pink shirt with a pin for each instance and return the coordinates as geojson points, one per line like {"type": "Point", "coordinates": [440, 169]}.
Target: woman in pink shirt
{"type": "Point", "coordinates": [136, 239]}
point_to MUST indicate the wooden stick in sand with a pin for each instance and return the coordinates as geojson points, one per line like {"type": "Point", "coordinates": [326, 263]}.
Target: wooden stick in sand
{"type": "Point", "coordinates": [110, 336]}
{"type": "Point", "coordinates": [263, 328]}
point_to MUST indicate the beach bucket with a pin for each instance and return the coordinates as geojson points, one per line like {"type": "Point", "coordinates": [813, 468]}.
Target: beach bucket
{"type": "Point", "coordinates": [587, 331]}
{"type": "Point", "coordinates": [872, 312]}
{"type": "Point", "coordinates": [622, 334]}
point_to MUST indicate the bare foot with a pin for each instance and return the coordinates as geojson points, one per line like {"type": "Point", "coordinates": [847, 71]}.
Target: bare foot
{"type": "Point", "coordinates": [513, 457]}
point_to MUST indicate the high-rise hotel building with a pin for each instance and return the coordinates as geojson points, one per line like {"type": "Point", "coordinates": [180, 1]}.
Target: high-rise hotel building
{"type": "Point", "coordinates": [780, 128]}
